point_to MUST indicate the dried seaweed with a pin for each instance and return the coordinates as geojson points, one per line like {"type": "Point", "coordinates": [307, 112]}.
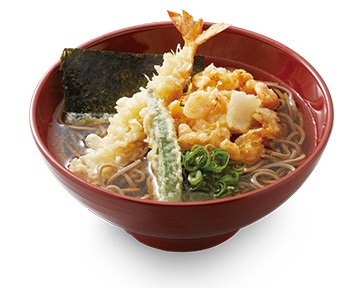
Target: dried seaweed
{"type": "Point", "coordinates": [93, 80]}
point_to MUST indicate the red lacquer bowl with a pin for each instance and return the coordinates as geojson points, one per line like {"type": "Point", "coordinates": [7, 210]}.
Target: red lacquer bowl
{"type": "Point", "coordinates": [199, 225]}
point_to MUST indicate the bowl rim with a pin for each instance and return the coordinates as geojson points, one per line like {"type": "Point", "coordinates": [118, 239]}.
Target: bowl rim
{"type": "Point", "coordinates": [166, 24]}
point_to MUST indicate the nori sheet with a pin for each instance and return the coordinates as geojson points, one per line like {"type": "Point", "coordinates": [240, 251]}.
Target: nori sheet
{"type": "Point", "coordinates": [93, 80]}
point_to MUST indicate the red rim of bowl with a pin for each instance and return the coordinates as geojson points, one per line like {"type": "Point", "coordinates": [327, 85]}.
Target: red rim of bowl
{"type": "Point", "coordinates": [308, 161]}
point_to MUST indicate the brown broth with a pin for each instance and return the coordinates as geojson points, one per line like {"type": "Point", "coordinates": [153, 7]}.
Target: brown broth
{"type": "Point", "coordinates": [67, 141]}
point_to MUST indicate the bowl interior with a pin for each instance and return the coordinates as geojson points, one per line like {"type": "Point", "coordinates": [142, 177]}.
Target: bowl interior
{"type": "Point", "coordinates": [265, 58]}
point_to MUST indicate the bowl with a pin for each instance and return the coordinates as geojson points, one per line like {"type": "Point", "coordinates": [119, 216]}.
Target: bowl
{"type": "Point", "coordinates": [204, 224]}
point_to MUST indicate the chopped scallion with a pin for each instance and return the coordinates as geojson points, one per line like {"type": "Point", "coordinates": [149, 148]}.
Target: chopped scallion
{"type": "Point", "coordinates": [208, 170]}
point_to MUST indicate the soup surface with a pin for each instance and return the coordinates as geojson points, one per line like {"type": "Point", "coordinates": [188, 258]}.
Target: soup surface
{"type": "Point", "coordinates": [281, 157]}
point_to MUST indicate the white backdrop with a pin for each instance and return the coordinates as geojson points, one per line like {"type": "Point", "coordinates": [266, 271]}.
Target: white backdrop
{"type": "Point", "coordinates": [48, 239]}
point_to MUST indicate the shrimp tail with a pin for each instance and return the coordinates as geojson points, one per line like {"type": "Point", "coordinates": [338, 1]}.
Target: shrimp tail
{"type": "Point", "coordinates": [191, 31]}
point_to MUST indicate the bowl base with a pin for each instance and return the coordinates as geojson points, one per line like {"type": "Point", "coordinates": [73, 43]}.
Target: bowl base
{"type": "Point", "coordinates": [182, 245]}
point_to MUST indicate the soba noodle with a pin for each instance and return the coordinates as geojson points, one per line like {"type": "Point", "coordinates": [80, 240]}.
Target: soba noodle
{"type": "Point", "coordinates": [283, 155]}
{"type": "Point", "coordinates": [280, 158]}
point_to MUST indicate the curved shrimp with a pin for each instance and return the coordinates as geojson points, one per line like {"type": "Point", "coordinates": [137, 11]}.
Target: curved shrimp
{"type": "Point", "coordinates": [268, 96]}
{"type": "Point", "coordinates": [249, 146]}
